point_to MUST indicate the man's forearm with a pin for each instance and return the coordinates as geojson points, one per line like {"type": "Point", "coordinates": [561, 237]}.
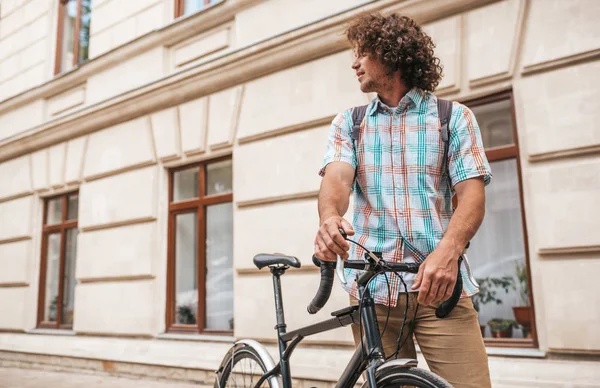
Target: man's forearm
{"type": "Point", "coordinates": [466, 219]}
{"type": "Point", "coordinates": [333, 199]}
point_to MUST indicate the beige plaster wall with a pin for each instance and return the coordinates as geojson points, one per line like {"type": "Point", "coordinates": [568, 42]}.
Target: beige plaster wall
{"type": "Point", "coordinates": [313, 91]}
{"type": "Point", "coordinates": [15, 177]}
{"type": "Point", "coordinates": [558, 29]}
{"type": "Point", "coordinates": [574, 89]}
{"type": "Point", "coordinates": [251, 26]}
{"type": "Point", "coordinates": [12, 306]}
{"type": "Point", "coordinates": [119, 198]}
{"type": "Point", "coordinates": [281, 166]}
{"type": "Point", "coordinates": [25, 44]}
{"type": "Point", "coordinates": [115, 307]}
{"type": "Point", "coordinates": [124, 252]}
{"type": "Point", "coordinates": [21, 118]}
{"type": "Point", "coordinates": [126, 75]}
{"type": "Point", "coordinates": [14, 262]}
{"type": "Point", "coordinates": [115, 23]}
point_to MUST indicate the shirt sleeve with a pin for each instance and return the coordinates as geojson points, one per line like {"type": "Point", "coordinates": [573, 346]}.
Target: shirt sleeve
{"type": "Point", "coordinates": [466, 154]}
{"type": "Point", "coordinates": [340, 147]}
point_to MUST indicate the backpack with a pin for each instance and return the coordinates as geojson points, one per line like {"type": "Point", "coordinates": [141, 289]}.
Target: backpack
{"type": "Point", "coordinates": [444, 113]}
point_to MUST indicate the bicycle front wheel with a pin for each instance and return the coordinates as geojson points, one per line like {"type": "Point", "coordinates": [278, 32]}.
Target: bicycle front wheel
{"type": "Point", "coordinates": [410, 377]}
{"type": "Point", "coordinates": [242, 367]}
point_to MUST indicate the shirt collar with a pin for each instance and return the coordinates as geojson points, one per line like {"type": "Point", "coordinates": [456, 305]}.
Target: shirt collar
{"type": "Point", "coordinates": [413, 96]}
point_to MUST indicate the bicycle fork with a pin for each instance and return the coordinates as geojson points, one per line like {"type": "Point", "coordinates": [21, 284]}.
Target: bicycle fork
{"type": "Point", "coordinates": [374, 356]}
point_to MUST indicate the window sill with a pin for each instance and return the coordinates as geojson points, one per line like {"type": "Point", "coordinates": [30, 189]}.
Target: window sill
{"type": "Point", "coordinates": [516, 352]}
{"type": "Point", "coordinates": [51, 331]}
{"type": "Point", "coordinates": [196, 337]}
{"type": "Point", "coordinates": [510, 352]}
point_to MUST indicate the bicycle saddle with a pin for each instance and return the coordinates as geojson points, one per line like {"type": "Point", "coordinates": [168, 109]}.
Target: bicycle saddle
{"type": "Point", "coordinates": [267, 259]}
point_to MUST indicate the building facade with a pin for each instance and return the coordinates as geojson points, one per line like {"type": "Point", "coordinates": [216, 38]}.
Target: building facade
{"type": "Point", "coordinates": [150, 148]}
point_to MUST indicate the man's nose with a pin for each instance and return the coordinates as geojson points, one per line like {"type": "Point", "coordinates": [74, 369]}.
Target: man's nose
{"type": "Point", "coordinates": [355, 64]}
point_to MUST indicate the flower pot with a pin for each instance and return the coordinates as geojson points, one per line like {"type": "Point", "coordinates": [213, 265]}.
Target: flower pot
{"type": "Point", "coordinates": [523, 317]}
{"type": "Point", "coordinates": [506, 333]}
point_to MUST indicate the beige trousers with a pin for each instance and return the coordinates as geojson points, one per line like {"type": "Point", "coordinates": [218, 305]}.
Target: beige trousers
{"type": "Point", "coordinates": [452, 346]}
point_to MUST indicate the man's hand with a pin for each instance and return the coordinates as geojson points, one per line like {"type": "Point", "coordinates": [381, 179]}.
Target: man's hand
{"type": "Point", "coordinates": [329, 242]}
{"type": "Point", "coordinates": [437, 275]}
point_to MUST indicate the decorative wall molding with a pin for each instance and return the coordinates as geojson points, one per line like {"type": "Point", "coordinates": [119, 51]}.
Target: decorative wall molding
{"type": "Point", "coordinates": [13, 285]}
{"type": "Point", "coordinates": [122, 170]}
{"type": "Point", "coordinates": [309, 267]}
{"type": "Point", "coordinates": [277, 199]}
{"type": "Point", "coordinates": [562, 154]}
{"type": "Point", "coordinates": [574, 250]}
{"type": "Point", "coordinates": [286, 130]}
{"type": "Point", "coordinates": [15, 239]}
{"type": "Point", "coordinates": [184, 160]}
{"type": "Point", "coordinates": [117, 224]}
{"type": "Point", "coordinates": [16, 196]}
{"type": "Point", "coordinates": [113, 279]}
{"type": "Point", "coordinates": [554, 64]}
{"type": "Point", "coordinates": [494, 78]}
{"type": "Point", "coordinates": [298, 46]}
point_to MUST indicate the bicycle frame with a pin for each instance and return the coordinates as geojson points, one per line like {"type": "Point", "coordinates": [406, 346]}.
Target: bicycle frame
{"type": "Point", "coordinates": [370, 357]}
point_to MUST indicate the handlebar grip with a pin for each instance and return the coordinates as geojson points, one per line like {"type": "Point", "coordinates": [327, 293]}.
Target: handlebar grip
{"type": "Point", "coordinates": [324, 291]}
{"type": "Point", "coordinates": [448, 305]}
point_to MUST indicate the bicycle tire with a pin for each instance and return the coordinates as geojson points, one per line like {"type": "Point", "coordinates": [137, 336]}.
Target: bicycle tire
{"type": "Point", "coordinates": [234, 357]}
{"type": "Point", "coordinates": [411, 377]}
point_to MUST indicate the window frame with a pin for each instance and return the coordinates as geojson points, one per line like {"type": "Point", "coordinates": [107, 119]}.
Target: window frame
{"type": "Point", "coordinates": [59, 36]}
{"type": "Point", "coordinates": [47, 230]}
{"type": "Point", "coordinates": [179, 7]}
{"type": "Point", "coordinates": [197, 205]}
{"type": "Point", "coordinates": [496, 154]}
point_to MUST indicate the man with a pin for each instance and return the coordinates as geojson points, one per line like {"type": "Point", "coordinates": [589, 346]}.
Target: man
{"type": "Point", "coordinates": [403, 186]}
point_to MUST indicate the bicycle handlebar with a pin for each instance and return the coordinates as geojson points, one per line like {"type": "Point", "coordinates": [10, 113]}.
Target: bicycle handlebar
{"type": "Point", "coordinates": [325, 286]}
{"type": "Point", "coordinates": [327, 275]}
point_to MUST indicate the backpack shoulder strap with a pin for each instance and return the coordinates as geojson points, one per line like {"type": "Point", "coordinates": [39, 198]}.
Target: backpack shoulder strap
{"type": "Point", "coordinates": [444, 113]}
{"type": "Point", "coordinates": [358, 115]}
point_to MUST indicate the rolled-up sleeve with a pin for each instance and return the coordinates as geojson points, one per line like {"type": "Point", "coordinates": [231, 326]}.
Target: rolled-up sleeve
{"type": "Point", "coordinates": [466, 154]}
{"type": "Point", "coordinates": [340, 147]}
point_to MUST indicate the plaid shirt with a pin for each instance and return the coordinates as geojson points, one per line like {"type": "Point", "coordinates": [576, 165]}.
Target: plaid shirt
{"type": "Point", "coordinates": [402, 190]}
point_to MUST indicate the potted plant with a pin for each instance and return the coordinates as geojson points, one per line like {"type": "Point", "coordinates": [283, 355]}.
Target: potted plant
{"type": "Point", "coordinates": [522, 312]}
{"type": "Point", "coordinates": [501, 328]}
{"type": "Point", "coordinates": [487, 293]}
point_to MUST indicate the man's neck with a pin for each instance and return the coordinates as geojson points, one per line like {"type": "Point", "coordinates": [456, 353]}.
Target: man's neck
{"type": "Point", "coordinates": [392, 95]}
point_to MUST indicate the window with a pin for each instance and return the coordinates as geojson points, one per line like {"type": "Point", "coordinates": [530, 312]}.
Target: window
{"type": "Point", "coordinates": [188, 7]}
{"type": "Point", "coordinates": [73, 40]}
{"type": "Point", "coordinates": [498, 253]}
{"type": "Point", "coordinates": [200, 248]}
{"type": "Point", "coordinates": [57, 270]}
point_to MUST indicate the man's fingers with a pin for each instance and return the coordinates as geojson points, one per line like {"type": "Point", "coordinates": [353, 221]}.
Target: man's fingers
{"type": "Point", "coordinates": [449, 290]}
{"type": "Point", "coordinates": [424, 291]}
{"type": "Point", "coordinates": [432, 294]}
{"type": "Point", "coordinates": [338, 239]}
{"type": "Point", "coordinates": [325, 253]}
{"type": "Point", "coordinates": [347, 227]}
{"type": "Point", "coordinates": [418, 278]}
{"type": "Point", "coordinates": [332, 245]}
{"type": "Point", "coordinates": [441, 294]}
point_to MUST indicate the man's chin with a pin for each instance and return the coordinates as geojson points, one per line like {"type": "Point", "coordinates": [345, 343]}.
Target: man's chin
{"type": "Point", "coordinates": [366, 87]}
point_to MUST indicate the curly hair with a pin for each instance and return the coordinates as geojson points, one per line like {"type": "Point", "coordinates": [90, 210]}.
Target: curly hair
{"type": "Point", "coordinates": [400, 43]}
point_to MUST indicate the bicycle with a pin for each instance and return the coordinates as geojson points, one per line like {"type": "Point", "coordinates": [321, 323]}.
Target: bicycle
{"type": "Point", "coordinates": [369, 357]}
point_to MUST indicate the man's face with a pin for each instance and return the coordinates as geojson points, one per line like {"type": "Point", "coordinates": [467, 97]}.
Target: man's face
{"type": "Point", "coordinates": [373, 75]}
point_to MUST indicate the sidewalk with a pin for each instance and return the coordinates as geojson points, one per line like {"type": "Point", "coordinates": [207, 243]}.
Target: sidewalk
{"type": "Point", "coordinates": [35, 378]}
